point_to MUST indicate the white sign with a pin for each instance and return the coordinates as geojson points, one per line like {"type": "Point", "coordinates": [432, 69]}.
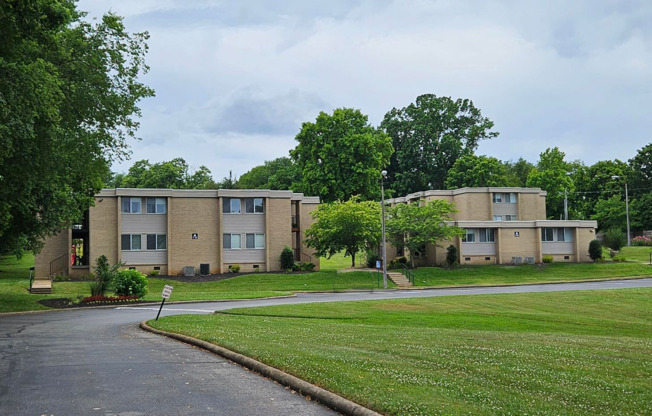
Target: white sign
{"type": "Point", "coordinates": [167, 291]}
{"type": "Point", "coordinates": [378, 264]}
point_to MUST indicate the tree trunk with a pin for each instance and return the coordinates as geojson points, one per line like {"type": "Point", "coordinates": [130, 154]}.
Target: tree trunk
{"type": "Point", "coordinates": [353, 260]}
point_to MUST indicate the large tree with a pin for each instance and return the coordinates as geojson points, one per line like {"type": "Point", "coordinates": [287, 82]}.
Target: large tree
{"type": "Point", "coordinates": [341, 155]}
{"type": "Point", "coordinates": [428, 137]}
{"type": "Point", "coordinates": [68, 100]}
{"type": "Point", "coordinates": [351, 226]}
{"type": "Point", "coordinates": [552, 175]}
{"type": "Point", "coordinates": [518, 172]}
{"type": "Point", "coordinates": [471, 171]}
{"type": "Point", "coordinates": [174, 174]}
{"type": "Point", "coordinates": [278, 174]}
{"type": "Point", "coordinates": [413, 225]}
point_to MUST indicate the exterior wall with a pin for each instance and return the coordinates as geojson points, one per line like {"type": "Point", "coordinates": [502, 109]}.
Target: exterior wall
{"type": "Point", "coordinates": [104, 229]}
{"type": "Point", "coordinates": [473, 206]}
{"type": "Point", "coordinates": [55, 247]}
{"type": "Point", "coordinates": [278, 231]}
{"type": "Point", "coordinates": [188, 216]}
{"type": "Point", "coordinates": [531, 206]}
{"type": "Point", "coordinates": [518, 242]}
{"type": "Point", "coordinates": [584, 236]}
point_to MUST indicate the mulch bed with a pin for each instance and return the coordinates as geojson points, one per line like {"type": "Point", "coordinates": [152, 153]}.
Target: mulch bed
{"type": "Point", "coordinates": [67, 303]}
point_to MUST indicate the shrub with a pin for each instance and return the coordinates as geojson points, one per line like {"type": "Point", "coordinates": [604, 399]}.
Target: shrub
{"type": "Point", "coordinates": [547, 259]}
{"type": "Point", "coordinates": [234, 268]}
{"type": "Point", "coordinates": [642, 241]}
{"type": "Point", "coordinates": [614, 239]}
{"type": "Point", "coordinates": [451, 255]}
{"type": "Point", "coordinates": [130, 283]}
{"type": "Point", "coordinates": [154, 273]}
{"type": "Point", "coordinates": [287, 259]}
{"type": "Point", "coordinates": [595, 250]}
{"type": "Point", "coordinates": [104, 275]}
{"type": "Point", "coordinates": [372, 258]}
{"type": "Point", "coordinates": [619, 259]}
{"type": "Point", "coordinates": [307, 266]}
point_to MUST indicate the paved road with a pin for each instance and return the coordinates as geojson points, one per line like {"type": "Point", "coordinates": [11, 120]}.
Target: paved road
{"type": "Point", "coordinates": [97, 362]}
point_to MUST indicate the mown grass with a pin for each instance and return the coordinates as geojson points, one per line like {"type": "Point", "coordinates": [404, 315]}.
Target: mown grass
{"type": "Point", "coordinates": [535, 273]}
{"type": "Point", "coordinates": [641, 253]}
{"type": "Point", "coordinates": [562, 353]}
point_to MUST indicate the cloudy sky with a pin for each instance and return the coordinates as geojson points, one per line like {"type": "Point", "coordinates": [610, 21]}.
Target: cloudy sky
{"type": "Point", "coordinates": [235, 79]}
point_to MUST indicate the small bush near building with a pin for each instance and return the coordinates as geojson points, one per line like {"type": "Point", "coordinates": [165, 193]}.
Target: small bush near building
{"type": "Point", "coordinates": [372, 259]}
{"type": "Point", "coordinates": [547, 259]}
{"type": "Point", "coordinates": [397, 263]}
{"type": "Point", "coordinates": [130, 283]}
{"type": "Point", "coordinates": [287, 259]}
{"type": "Point", "coordinates": [104, 276]}
{"type": "Point", "coordinates": [619, 259]}
{"type": "Point", "coordinates": [307, 266]}
{"type": "Point", "coordinates": [595, 250]}
{"type": "Point", "coordinates": [642, 241]}
{"type": "Point", "coordinates": [614, 239]}
{"type": "Point", "coordinates": [154, 273]}
{"type": "Point", "coordinates": [234, 268]}
{"type": "Point", "coordinates": [451, 255]}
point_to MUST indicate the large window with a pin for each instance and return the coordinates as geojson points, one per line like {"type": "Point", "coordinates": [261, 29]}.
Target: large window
{"type": "Point", "coordinates": [156, 205]}
{"type": "Point", "coordinates": [255, 241]}
{"type": "Point", "coordinates": [479, 235]}
{"type": "Point", "coordinates": [131, 242]}
{"type": "Point", "coordinates": [157, 242]}
{"type": "Point", "coordinates": [232, 241]}
{"type": "Point", "coordinates": [254, 205]}
{"type": "Point", "coordinates": [504, 198]}
{"type": "Point", "coordinates": [131, 205]}
{"type": "Point", "coordinates": [231, 205]}
{"type": "Point", "coordinates": [552, 234]}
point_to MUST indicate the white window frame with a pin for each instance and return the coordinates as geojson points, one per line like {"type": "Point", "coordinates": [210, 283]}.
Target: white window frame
{"type": "Point", "coordinates": [229, 202]}
{"type": "Point", "coordinates": [160, 205]}
{"type": "Point", "coordinates": [479, 234]}
{"type": "Point", "coordinates": [259, 241]}
{"type": "Point", "coordinates": [130, 201]}
{"type": "Point", "coordinates": [239, 236]}
{"type": "Point", "coordinates": [510, 217]}
{"type": "Point", "coordinates": [498, 217]}
{"type": "Point", "coordinates": [557, 235]}
{"type": "Point", "coordinates": [157, 241]}
{"type": "Point", "coordinates": [131, 242]}
{"type": "Point", "coordinates": [254, 206]}
{"type": "Point", "coordinates": [498, 198]}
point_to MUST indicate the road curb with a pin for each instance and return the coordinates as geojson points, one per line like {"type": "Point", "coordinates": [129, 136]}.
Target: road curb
{"type": "Point", "coordinates": [325, 397]}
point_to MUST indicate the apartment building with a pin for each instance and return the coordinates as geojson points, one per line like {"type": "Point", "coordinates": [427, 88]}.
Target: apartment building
{"type": "Point", "coordinates": [504, 226]}
{"type": "Point", "coordinates": [183, 231]}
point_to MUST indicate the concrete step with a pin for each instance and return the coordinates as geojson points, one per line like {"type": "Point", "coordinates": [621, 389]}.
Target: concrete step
{"type": "Point", "coordinates": [399, 279]}
{"type": "Point", "coordinates": [41, 286]}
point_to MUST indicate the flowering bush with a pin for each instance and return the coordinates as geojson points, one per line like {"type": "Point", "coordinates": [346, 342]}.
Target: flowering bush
{"type": "Point", "coordinates": [130, 283]}
{"type": "Point", "coordinates": [642, 241]}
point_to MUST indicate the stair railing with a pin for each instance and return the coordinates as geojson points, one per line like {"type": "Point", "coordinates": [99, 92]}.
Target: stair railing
{"type": "Point", "coordinates": [409, 274]}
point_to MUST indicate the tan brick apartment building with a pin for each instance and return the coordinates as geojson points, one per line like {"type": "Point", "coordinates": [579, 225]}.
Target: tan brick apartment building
{"type": "Point", "coordinates": [174, 230]}
{"type": "Point", "coordinates": [504, 226]}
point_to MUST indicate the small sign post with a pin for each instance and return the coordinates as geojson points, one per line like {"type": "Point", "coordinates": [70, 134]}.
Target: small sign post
{"type": "Point", "coordinates": [378, 266]}
{"type": "Point", "coordinates": [167, 291]}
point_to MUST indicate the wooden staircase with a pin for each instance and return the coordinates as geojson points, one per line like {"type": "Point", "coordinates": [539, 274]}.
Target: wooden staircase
{"type": "Point", "coordinates": [399, 279]}
{"type": "Point", "coordinates": [41, 286]}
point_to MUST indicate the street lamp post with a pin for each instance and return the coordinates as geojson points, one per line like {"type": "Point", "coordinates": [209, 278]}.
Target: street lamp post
{"type": "Point", "coordinates": [382, 208]}
{"type": "Point", "coordinates": [629, 242]}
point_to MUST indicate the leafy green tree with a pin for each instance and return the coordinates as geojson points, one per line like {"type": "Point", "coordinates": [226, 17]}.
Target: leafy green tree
{"type": "Point", "coordinates": [552, 175]}
{"type": "Point", "coordinates": [594, 183]}
{"type": "Point", "coordinates": [641, 165]}
{"type": "Point", "coordinates": [341, 155]}
{"type": "Point", "coordinates": [174, 174]}
{"type": "Point", "coordinates": [595, 250]}
{"type": "Point", "coordinates": [227, 183]}
{"type": "Point", "coordinates": [351, 226]}
{"type": "Point", "coordinates": [641, 209]}
{"type": "Point", "coordinates": [518, 172]}
{"type": "Point", "coordinates": [611, 214]}
{"type": "Point", "coordinates": [476, 171]}
{"type": "Point", "coordinates": [413, 225]}
{"type": "Point", "coordinates": [428, 137]}
{"type": "Point", "coordinates": [68, 104]}
{"type": "Point", "coordinates": [278, 174]}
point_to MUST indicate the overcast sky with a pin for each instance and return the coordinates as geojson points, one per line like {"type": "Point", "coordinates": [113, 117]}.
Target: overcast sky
{"type": "Point", "coordinates": [234, 80]}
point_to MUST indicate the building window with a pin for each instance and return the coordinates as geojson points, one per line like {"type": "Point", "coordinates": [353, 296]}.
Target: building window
{"type": "Point", "coordinates": [256, 241]}
{"type": "Point", "coordinates": [254, 205]}
{"type": "Point", "coordinates": [231, 205]}
{"type": "Point", "coordinates": [232, 241]}
{"type": "Point", "coordinates": [510, 217]}
{"type": "Point", "coordinates": [156, 205]}
{"type": "Point", "coordinates": [559, 234]}
{"type": "Point", "coordinates": [157, 242]}
{"type": "Point", "coordinates": [131, 205]}
{"type": "Point", "coordinates": [131, 242]}
{"type": "Point", "coordinates": [479, 235]}
{"type": "Point", "coordinates": [498, 217]}
{"type": "Point", "coordinates": [504, 198]}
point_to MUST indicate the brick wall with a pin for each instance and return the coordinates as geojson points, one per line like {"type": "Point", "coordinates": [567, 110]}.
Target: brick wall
{"type": "Point", "coordinates": [279, 231]}
{"type": "Point", "coordinates": [104, 230]}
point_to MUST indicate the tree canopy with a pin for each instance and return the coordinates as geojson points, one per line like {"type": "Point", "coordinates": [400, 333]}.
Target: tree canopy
{"type": "Point", "coordinates": [278, 174]}
{"type": "Point", "coordinates": [413, 225]}
{"type": "Point", "coordinates": [341, 155]}
{"type": "Point", "coordinates": [428, 137]}
{"type": "Point", "coordinates": [174, 174]}
{"type": "Point", "coordinates": [551, 175]}
{"type": "Point", "coordinates": [471, 171]}
{"type": "Point", "coordinates": [68, 104]}
{"type": "Point", "coordinates": [351, 226]}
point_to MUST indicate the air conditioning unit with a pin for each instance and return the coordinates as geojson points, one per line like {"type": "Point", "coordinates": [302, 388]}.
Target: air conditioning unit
{"type": "Point", "coordinates": [189, 271]}
{"type": "Point", "coordinates": [529, 260]}
{"type": "Point", "coordinates": [517, 260]}
{"type": "Point", "coordinates": [204, 269]}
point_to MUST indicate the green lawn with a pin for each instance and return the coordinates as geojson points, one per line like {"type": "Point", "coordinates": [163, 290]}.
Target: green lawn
{"type": "Point", "coordinates": [641, 254]}
{"type": "Point", "coordinates": [563, 353]}
{"type": "Point", "coordinates": [537, 273]}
